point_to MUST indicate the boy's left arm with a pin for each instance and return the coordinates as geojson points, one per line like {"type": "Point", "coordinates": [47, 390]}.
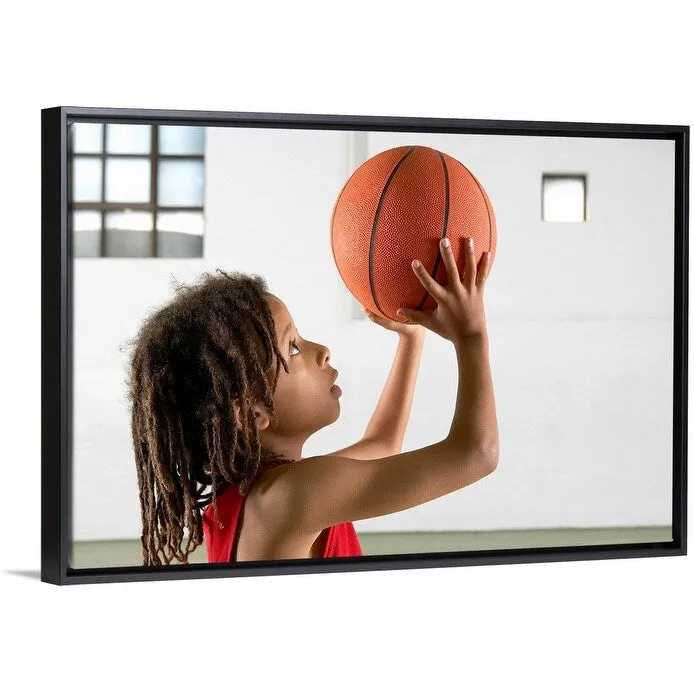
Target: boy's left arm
{"type": "Point", "coordinates": [386, 429]}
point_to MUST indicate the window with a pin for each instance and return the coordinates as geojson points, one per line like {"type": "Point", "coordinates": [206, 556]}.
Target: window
{"type": "Point", "coordinates": [136, 190]}
{"type": "Point", "coordinates": [564, 198]}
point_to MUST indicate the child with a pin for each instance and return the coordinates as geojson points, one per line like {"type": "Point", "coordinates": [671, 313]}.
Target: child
{"type": "Point", "coordinates": [225, 393]}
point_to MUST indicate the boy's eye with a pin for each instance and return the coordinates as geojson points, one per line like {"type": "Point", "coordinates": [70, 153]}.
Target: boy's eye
{"type": "Point", "coordinates": [293, 344]}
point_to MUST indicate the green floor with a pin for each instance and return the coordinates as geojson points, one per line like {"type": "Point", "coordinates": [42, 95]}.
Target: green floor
{"type": "Point", "coordinates": [106, 553]}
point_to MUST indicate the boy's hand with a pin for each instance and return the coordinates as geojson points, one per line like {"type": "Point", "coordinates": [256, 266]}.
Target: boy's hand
{"type": "Point", "coordinates": [459, 311]}
{"type": "Point", "coordinates": [395, 326]}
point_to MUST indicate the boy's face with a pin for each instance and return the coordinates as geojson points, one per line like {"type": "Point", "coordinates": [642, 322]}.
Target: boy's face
{"type": "Point", "coordinates": [304, 402]}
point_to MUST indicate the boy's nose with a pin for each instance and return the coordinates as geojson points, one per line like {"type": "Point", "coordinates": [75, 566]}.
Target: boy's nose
{"type": "Point", "coordinates": [325, 356]}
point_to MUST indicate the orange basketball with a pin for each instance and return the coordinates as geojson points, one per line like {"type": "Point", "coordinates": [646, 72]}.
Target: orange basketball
{"type": "Point", "coordinates": [396, 207]}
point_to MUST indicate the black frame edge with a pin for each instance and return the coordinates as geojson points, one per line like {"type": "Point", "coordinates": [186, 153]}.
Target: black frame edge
{"type": "Point", "coordinates": [53, 473]}
{"type": "Point", "coordinates": [381, 562]}
{"type": "Point", "coordinates": [361, 122]}
{"type": "Point", "coordinates": [681, 341]}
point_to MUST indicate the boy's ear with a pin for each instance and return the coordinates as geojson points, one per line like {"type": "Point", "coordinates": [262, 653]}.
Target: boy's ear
{"type": "Point", "coordinates": [261, 417]}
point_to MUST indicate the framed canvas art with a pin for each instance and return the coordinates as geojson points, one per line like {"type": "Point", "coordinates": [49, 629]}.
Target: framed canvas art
{"type": "Point", "coordinates": [296, 343]}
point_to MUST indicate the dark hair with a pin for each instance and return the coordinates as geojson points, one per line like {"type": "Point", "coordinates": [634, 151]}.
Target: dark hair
{"type": "Point", "coordinates": [214, 342]}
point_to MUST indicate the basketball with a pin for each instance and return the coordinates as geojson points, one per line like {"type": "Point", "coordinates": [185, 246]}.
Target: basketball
{"type": "Point", "coordinates": [396, 207]}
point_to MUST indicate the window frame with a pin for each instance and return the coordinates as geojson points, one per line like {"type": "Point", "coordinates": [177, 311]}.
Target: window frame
{"type": "Point", "coordinates": [152, 206]}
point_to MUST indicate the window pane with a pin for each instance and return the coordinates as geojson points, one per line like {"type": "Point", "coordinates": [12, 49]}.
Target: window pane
{"type": "Point", "coordinates": [86, 179]}
{"type": "Point", "coordinates": [128, 180]}
{"type": "Point", "coordinates": [87, 138]}
{"type": "Point", "coordinates": [128, 139]}
{"type": "Point", "coordinates": [180, 234]}
{"type": "Point", "coordinates": [86, 220]}
{"type": "Point", "coordinates": [86, 236]}
{"type": "Point", "coordinates": [181, 139]}
{"type": "Point", "coordinates": [86, 244]}
{"type": "Point", "coordinates": [563, 198]}
{"type": "Point", "coordinates": [129, 234]}
{"type": "Point", "coordinates": [128, 244]}
{"type": "Point", "coordinates": [180, 183]}
{"type": "Point", "coordinates": [172, 244]}
{"type": "Point", "coordinates": [183, 222]}
{"type": "Point", "coordinates": [129, 221]}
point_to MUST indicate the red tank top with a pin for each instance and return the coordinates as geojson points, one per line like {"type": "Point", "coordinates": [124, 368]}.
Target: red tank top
{"type": "Point", "coordinates": [342, 539]}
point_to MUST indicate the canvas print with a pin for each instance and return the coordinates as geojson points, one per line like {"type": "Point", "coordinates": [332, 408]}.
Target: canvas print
{"type": "Point", "coordinates": [317, 344]}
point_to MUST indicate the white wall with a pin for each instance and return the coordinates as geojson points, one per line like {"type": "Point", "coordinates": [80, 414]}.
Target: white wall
{"type": "Point", "coordinates": [580, 323]}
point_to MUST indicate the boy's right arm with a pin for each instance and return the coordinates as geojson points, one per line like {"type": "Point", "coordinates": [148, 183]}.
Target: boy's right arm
{"type": "Point", "coordinates": [327, 490]}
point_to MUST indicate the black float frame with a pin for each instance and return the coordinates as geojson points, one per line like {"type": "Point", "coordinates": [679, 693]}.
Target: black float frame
{"type": "Point", "coordinates": [56, 344]}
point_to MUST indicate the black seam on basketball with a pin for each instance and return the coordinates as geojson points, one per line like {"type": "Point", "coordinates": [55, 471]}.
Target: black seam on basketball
{"type": "Point", "coordinates": [445, 227]}
{"type": "Point", "coordinates": [375, 224]}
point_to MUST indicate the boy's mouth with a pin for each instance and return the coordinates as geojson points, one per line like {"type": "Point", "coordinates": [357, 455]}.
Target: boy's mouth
{"type": "Point", "coordinates": [335, 389]}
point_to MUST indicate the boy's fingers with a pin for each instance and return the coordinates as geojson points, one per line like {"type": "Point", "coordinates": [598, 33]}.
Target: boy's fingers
{"type": "Point", "coordinates": [470, 265]}
{"type": "Point", "coordinates": [449, 262]}
{"type": "Point", "coordinates": [428, 282]}
{"type": "Point", "coordinates": [414, 316]}
{"type": "Point", "coordinates": [483, 269]}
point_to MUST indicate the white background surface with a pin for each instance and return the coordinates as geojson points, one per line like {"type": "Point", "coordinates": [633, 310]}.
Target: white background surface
{"type": "Point", "coordinates": [580, 318]}
{"type": "Point", "coordinates": [597, 626]}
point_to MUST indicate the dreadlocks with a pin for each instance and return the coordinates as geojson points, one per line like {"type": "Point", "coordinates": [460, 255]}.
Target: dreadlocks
{"type": "Point", "coordinates": [213, 343]}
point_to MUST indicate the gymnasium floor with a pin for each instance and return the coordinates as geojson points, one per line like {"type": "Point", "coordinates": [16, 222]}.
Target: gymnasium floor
{"type": "Point", "coordinates": [108, 553]}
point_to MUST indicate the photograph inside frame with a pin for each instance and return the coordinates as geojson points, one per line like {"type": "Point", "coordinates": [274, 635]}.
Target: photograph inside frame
{"type": "Point", "coordinates": [186, 240]}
